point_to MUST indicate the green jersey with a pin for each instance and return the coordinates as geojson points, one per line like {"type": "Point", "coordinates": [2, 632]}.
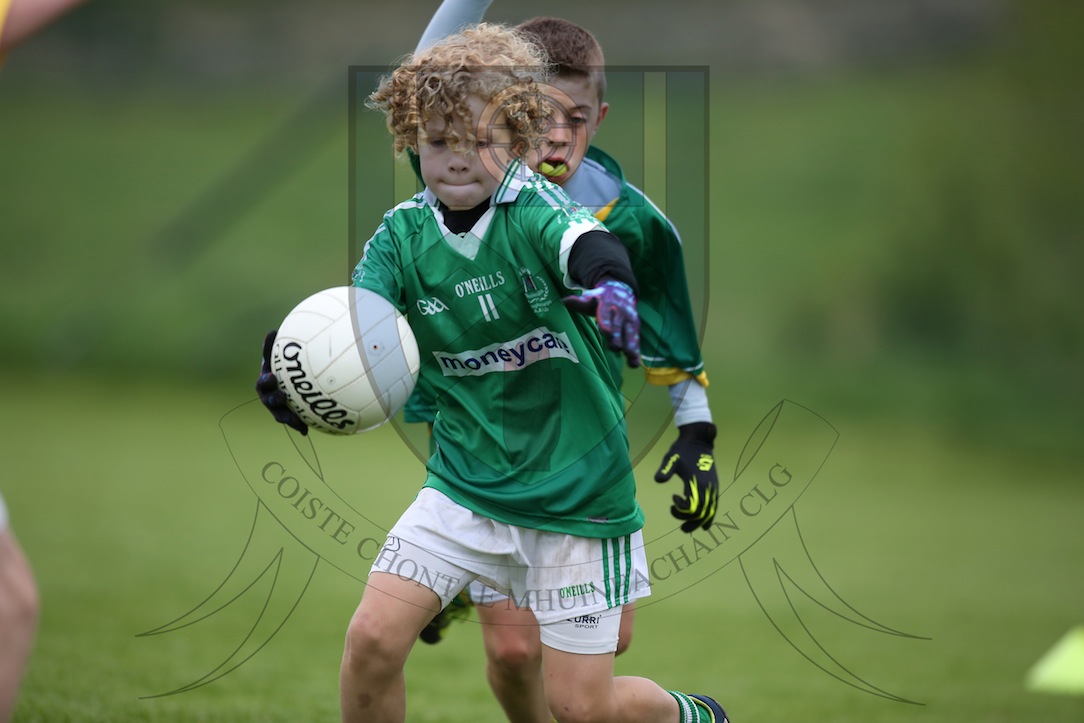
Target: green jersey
{"type": "Point", "coordinates": [529, 427]}
{"type": "Point", "coordinates": [668, 337]}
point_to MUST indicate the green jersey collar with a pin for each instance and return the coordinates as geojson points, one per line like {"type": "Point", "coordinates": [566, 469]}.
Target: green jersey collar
{"type": "Point", "coordinates": [515, 179]}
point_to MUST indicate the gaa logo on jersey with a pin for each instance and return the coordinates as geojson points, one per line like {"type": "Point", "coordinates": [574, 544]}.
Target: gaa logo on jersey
{"type": "Point", "coordinates": [430, 306]}
{"type": "Point", "coordinates": [536, 291]}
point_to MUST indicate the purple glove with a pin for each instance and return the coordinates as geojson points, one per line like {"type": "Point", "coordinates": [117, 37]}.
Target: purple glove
{"type": "Point", "coordinates": [613, 305]}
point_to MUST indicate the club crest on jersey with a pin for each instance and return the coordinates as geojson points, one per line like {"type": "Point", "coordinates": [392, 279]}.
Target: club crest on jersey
{"type": "Point", "coordinates": [536, 291]}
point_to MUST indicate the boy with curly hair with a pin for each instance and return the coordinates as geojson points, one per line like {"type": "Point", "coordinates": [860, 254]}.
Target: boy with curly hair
{"type": "Point", "coordinates": [671, 352]}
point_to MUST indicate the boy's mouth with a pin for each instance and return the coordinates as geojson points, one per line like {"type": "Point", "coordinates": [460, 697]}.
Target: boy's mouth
{"type": "Point", "coordinates": [553, 167]}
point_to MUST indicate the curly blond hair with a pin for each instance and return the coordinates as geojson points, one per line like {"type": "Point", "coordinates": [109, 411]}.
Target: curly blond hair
{"type": "Point", "coordinates": [491, 62]}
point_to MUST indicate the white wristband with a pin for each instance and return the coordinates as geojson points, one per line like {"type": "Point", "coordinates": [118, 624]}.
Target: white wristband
{"type": "Point", "coordinates": [690, 402]}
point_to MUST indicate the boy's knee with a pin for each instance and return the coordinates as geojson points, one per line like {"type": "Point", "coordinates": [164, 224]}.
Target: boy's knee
{"type": "Point", "coordinates": [511, 652]}
{"type": "Point", "coordinates": [370, 645]}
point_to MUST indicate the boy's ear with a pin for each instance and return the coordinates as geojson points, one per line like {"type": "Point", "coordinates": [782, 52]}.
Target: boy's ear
{"type": "Point", "coordinates": [602, 111]}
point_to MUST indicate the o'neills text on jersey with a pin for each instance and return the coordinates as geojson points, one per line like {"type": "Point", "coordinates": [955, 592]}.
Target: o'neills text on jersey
{"type": "Point", "coordinates": [508, 356]}
{"type": "Point", "coordinates": [479, 284]}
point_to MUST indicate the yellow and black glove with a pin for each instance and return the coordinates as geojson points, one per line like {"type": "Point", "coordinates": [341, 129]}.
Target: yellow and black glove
{"type": "Point", "coordinates": [691, 459]}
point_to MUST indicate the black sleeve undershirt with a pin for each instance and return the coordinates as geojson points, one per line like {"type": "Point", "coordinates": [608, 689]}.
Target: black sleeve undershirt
{"type": "Point", "coordinates": [599, 255]}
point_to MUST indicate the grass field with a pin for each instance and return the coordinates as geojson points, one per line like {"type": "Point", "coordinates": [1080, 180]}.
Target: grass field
{"type": "Point", "coordinates": [896, 249]}
{"type": "Point", "coordinates": [140, 512]}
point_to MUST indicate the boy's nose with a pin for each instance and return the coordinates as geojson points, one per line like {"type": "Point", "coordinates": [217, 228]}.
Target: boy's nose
{"type": "Point", "coordinates": [559, 134]}
{"type": "Point", "coordinates": [458, 162]}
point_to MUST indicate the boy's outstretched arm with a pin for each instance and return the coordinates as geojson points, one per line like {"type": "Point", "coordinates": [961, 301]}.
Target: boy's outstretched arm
{"type": "Point", "coordinates": [450, 17]}
{"type": "Point", "coordinates": [599, 262]}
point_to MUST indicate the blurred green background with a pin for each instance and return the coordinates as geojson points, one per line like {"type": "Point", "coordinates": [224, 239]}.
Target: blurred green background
{"type": "Point", "coordinates": [895, 242]}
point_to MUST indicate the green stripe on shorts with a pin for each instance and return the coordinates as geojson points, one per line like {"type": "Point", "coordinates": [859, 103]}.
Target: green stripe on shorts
{"type": "Point", "coordinates": [617, 564]}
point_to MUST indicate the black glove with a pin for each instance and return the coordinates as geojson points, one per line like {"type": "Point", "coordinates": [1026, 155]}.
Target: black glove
{"type": "Point", "coordinates": [613, 305]}
{"type": "Point", "coordinates": [691, 459]}
{"type": "Point", "coordinates": [267, 386]}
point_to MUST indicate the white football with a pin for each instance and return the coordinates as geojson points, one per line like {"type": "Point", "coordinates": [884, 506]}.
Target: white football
{"type": "Point", "coordinates": [346, 359]}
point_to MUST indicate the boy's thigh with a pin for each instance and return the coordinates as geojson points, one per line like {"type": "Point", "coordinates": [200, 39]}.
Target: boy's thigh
{"type": "Point", "coordinates": [394, 610]}
{"type": "Point", "coordinates": [509, 632]}
{"type": "Point", "coordinates": [433, 545]}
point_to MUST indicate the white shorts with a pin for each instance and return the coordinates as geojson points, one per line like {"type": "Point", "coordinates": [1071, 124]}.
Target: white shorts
{"type": "Point", "coordinates": [563, 579]}
{"type": "Point", "coordinates": [587, 634]}
{"type": "Point", "coordinates": [482, 594]}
